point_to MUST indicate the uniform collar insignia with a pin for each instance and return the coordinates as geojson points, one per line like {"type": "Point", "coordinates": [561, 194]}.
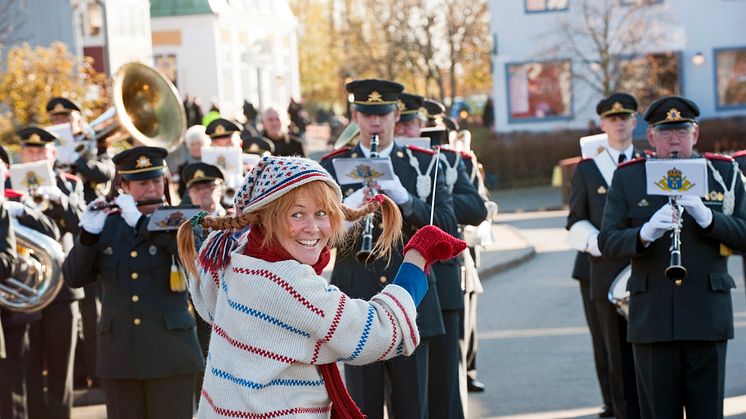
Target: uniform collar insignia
{"type": "Point", "coordinates": [643, 203]}
{"type": "Point", "coordinates": [400, 154]}
{"type": "Point", "coordinates": [142, 162]}
{"type": "Point", "coordinates": [601, 189]}
{"type": "Point", "coordinates": [374, 96]}
{"type": "Point", "coordinates": [673, 115]}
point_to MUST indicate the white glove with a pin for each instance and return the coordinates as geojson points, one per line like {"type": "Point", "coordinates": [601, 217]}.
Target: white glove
{"type": "Point", "coordinates": [394, 190]}
{"type": "Point", "coordinates": [355, 199]}
{"type": "Point", "coordinates": [52, 192]}
{"type": "Point", "coordinates": [93, 221]}
{"type": "Point", "coordinates": [592, 246]}
{"type": "Point", "coordinates": [130, 213]}
{"type": "Point", "coordinates": [697, 209]}
{"type": "Point", "coordinates": [659, 223]}
{"type": "Point", "coordinates": [15, 209]}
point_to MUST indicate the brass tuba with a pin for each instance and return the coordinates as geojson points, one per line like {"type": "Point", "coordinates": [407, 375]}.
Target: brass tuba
{"type": "Point", "coordinates": [146, 105]}
{"type": "Point", "coordinates": [45, 257]}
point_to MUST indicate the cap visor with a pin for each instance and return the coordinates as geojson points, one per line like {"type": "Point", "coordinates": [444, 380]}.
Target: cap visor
{"type": "Point", "coordinates": [376, 109]}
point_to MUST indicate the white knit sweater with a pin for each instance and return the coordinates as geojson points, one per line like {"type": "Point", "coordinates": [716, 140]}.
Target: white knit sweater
{"type": "Point", "coordinates": [272, 322]}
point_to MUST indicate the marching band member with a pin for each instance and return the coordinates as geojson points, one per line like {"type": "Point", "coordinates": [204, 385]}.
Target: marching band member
{"type": "Point", "coordinates": [53, 337]}
{"type": "Point", "coordinates": [278, 327]}
{"type": "Point", "coordinates": [203, 183]}
{"type": "Point", "coordinates": [590, 184]}
{"type": "Point", "coordinates": [376, 112]}
{"type": "Point", "coordinates": [148, 354]}
{"type": "Point", "coordinates": [678, 329]}
{"type": "Point", "coordinates": [444, 396]}
{"type": "Point", "coordinates": [740, 158]}
{"type": "Point", "coordinates": [223, 133]}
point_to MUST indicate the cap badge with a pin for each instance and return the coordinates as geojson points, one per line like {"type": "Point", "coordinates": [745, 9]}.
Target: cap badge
{"type": "Point", "coordinates": [374, 96]}
{"type": "Point", "coordinates": [254, 148]}
{"type": "Point", "coordinates": [58, 107]}
{"type": "Point", "coordinates": [673, 115]}
{"type": "Point", "coordinates": [142, 162]}
{"type": "Point", "coordinates": [220, 129]}
{"type": "Point", "coordinates": [616, 107]}
{"type": "Point", "coordinates": [198, 174]}
{"type": "Point", "coordinates": [34, 138]}
{"type": "Point", "coordinates": [402, 106]}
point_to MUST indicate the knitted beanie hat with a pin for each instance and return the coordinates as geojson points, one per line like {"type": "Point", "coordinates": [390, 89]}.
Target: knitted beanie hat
{"type": "Point", "coordinates": [273, 177]}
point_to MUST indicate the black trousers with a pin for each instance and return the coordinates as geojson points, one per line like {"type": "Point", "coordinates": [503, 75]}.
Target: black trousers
{"type": "Point", "coordinates": [168, 397]}
{"type": "Point", "coordinates": [597, 340]}
{"type": "Point", "coordinates": [53, 340]}
{"type": "Point", "coordinates": [620, 361]}
{"type": "Point", "coordinates": [445, 355]}
{"type": "Point", "coordinates": [471, 338]}
{"type": "Point", "coordinates": [90, 312]}
{"type": "Point", "coordinates": [673, 376]}
{"type": "Point", "coordinates": [407, 378]}
{"type": "Point", "coordinates": [13, 376]}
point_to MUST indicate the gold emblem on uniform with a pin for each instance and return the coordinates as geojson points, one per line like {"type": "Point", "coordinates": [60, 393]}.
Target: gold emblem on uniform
{"type": "Point", "coordinates": [617, 107]}
{"type": "Point", "coordinates": [401, 105]}
{"type": "Point", "coordinates": [34, 138]}
{"type": "Point", "coordinates": [58, 108]}
{"type": "Point", "coordinates": [673, 115]}
{"type": "Point", "coordinates": [374, 96]}
{"type": "Point", "coordinates": [353, 155]}
{"type": "Point", "coordinates": [601, 190]}
{"type": "Point", "coordinates": [108, 251]}
{"type": "Point", "coordinates": [254, 148]}
{"type": "Point", "coordinates": [142, 162]}
{"type": "Point", "coordinates": [220, 129]}
{"type": "Point", "coordinates": [400, 154]}
{"type": "Point", "coordinates": [198, 174]}
{"type": "Point", "coordinates": [643, 203]}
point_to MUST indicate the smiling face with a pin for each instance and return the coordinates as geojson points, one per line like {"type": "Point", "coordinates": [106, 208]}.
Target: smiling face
{"type": "Point", "coordinates": [307, 227]}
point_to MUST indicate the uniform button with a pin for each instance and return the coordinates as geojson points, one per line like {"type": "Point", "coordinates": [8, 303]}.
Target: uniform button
{"type": "Point", "coordinates": [136, 321]}
{"type": "Point", "coordinates": [382, 279]}
{"type": "Point", "coordinates": [135, 298]}
{"type": "Point", "coordinates": [678, 282]}
{"type": "Point", "coordinates": [133, 253]}
{"type": "Point", "coordinates": [134, 275]}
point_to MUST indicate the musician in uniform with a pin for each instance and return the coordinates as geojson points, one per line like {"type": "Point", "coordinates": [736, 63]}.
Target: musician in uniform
{"type": "Point", "coordinates": [444, 397]}
{"type": "Point", "coordinates": [740, 158]}
{"type": "Point", "coordinates": [284, 144]}
{"type": "Point", "coordinates": [678, 328]}
{"type": "Point", "coordinates": [53, 337]}
{"type": "Point", "coordinates": [148, 354]}
{"type": "Point", "coordinates": [258, 145]}
{"type": "Point", "coordinates": [434, 112]}
{"type": "Point", "coordinates": [223, 133]}
{"type": "Point", "coordinates": [15, 324]}
{"type": "Point", "coordinates": [590, 184]}
{"type": "Point", "coordinates": [376, 111]}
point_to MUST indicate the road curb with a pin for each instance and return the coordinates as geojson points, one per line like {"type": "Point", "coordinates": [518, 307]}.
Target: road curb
{"type": "Point", "coordinates": [513, 257]}
{"type": "Point", "coordinates": [524, 255]}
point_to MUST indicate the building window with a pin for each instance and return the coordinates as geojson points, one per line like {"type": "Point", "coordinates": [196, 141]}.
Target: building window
{"type": "Point", "coordinates": [166, 63]}
{"type": "Point", "coordinates": [650, 76]}
{"type": "Point", "coordinates": [533, 6]}
{"type": "Point", "coordinates": [730, 73]}
{"type": "Point", "coordinates": [539, 91]}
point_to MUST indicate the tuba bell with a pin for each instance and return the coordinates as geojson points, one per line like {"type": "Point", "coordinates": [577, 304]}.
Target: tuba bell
{"type": "Point", "coordinates": [146, 105]}
{"type": "Point", "coordinates": [45, 257]}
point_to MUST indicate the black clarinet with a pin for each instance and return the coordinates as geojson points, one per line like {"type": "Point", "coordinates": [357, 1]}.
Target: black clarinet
{"type": "Point", "coordinates": [366, 245]}
{"type": "Point", "coordinates": [675, 271]}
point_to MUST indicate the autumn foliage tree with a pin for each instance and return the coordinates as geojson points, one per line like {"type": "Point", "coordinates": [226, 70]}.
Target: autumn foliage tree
{"type": "Point", "coordinates": [34, 75]}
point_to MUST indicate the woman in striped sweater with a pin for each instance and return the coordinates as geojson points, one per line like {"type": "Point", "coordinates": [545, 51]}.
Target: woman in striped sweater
{"type": "Point", "coordinates": [278, 327]}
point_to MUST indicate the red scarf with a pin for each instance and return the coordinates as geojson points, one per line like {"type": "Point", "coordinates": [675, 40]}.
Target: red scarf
{"type": "Point", "coordinates": [343, 407]}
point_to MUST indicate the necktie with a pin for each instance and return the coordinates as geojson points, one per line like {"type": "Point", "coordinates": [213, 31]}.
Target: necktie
{"type": "Point", "coordinates": [622, 157]}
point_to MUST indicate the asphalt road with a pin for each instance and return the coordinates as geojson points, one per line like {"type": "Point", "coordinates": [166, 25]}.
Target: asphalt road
{"type": "Point", "coordinates": [534, 348]}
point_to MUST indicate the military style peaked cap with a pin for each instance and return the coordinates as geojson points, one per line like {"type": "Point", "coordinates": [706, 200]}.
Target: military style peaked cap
{"type": "Point", "coordinates": [61, 105]}
{"type": "Point", "coordinates": [616, 104]}
{"type": "Point", "coordinates": [375, 96]}
{"type": "Point", "coordinates": [433, 108]}
{"type": "Point", "coordinates": [409, 106]}
{"type": "Point", "coordinates": [450, 123]}
{"type": "Point", "coordinates": [672, 112]}
{"type": "Point", "coordinates": [141, 163]}
{"type": "Point", "coordinates": [258, 145]}
{"type": "Point", "coordinates": [222, 127]}
{"type": "Point", "coordinates": [34, 136]}
{"type": "Point", "coordinates": [201, 173]}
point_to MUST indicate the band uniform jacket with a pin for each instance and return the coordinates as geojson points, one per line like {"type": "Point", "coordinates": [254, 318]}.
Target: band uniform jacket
{"type": "Point", "coordinates": [146, 330]}
{"type": "Point", "coordinates": [365, 280]}
{"type": "Point", "coordinates": [469, 208]}
{"type": "Point", "coordinates": [588, 192]}
{"type": "Point", "coordinates": [66, 215]}
{"type": "Point", "coordinates": [660, 311]}
{"type": "Point", "coordinates": [96, 173]}
{"type": "Point", "coordinates": [288, 145]}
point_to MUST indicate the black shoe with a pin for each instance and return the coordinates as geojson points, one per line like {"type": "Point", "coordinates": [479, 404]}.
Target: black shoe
{"type": "Point", "coordinates": [474, 386]}
{"type": "Point", "coordinates": [606, 412]}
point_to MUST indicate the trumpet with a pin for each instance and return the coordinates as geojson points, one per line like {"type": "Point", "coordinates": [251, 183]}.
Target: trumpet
{"type": "Point", "coordinates": [98, 207]}
{"type": "Point", "coordinates": [366, 245]}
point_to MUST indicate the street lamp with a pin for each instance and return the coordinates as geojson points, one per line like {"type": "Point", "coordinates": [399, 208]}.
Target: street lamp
{"type": "Point", "coordinates": [698, 59]}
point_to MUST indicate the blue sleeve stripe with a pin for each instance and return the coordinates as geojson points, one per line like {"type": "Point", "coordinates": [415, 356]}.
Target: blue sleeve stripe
{"type": "Point", "coordinates": [364, 338]}
{"type": "Point", "coordinates": [258, 386]}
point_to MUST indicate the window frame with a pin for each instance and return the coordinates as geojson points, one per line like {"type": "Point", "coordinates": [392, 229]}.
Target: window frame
{"type": "Point", "coordinates": [715, 52]}
{"type": "Point", "coordinates": [570, 116]}
{"type": "Point", "coordinates": [545, 10]}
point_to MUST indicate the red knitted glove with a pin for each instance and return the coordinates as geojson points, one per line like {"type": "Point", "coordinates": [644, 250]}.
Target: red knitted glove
{"type": "Point", "coordinates": [435, 245]}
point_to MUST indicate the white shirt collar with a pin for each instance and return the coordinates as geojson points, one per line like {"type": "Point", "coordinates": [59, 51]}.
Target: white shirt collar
{"type": "Point", "coordinates": [381, 153]}
{"type": "Point", "coordinates": [614, 153]}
